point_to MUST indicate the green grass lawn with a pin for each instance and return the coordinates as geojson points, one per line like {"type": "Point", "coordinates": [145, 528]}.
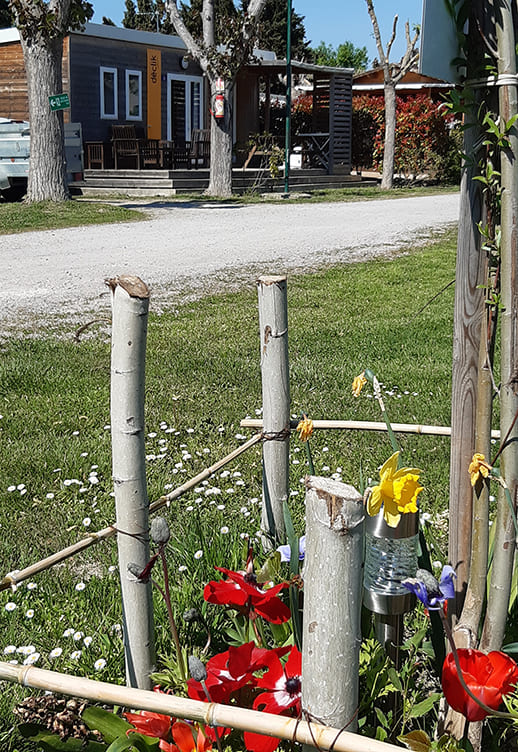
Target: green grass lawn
{"type": "Point", "coordinates": [203, 377]}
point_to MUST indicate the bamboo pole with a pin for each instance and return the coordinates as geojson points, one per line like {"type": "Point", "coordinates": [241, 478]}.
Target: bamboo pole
{"type": "Point", "coordinates": [332, 604]}
{"type": "Point", "coordinates": [211, 714]}
{"type": "Point", "coordinates": [130, 306]}
{"type": "Point", "coordinates": [14, 578]}
{"type": "Point", "coordinates": [273, 328]}
{"type": "Point", "coordinates": [367, 425]}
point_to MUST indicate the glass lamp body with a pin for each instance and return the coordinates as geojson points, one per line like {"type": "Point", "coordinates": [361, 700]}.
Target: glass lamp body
{"type": "Point", "coordinates": [390, 558]}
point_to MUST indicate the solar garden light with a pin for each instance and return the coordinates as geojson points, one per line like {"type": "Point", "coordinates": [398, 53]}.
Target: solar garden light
{"type": "Point", "coordinates": [390, 558]}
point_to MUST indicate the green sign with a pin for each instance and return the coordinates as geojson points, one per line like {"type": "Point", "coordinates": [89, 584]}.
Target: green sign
{"type": "Point", "coordinates": [59, 102]}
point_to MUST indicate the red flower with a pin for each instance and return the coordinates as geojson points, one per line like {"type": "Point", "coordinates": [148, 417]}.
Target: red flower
{"type": "Point", "coordinates": [152, 724]}
{"type": "Point", "coordinates": [230, 671]}
{"type": "Point", "coordinates": [282, 697]}
{"type": "Point", "coordinates": [189, 738]}
{"type": "Point", "coordinates": [242, 591]}
{"type": "Point", "coordinates": [488, 677]}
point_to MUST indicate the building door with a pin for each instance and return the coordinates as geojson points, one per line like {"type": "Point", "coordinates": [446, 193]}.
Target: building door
{"type": "Point", "coordinates": [184, 107]}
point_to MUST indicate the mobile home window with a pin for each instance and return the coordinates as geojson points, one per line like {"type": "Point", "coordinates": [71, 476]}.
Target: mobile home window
{"type": "Point", "coordinates": [108, 80]}
{"type": "Point", "coordinates": [133, 95]}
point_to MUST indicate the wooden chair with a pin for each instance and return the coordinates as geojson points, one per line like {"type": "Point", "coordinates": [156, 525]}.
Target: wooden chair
{"type": "Point", "coordinates": [125, 145]}
{"type": "Point", "coordinates": [149, 152]}
{"type": "Point", "coordinates": [94, 155]}
{"type": "Point", "coordinates": [200, 147]}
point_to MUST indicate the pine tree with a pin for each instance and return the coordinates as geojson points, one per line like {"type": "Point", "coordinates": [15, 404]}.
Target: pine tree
{"type": "Point", "coordinates": [6, 19]}
{"type": "Point", "coordinates": [273, 29]}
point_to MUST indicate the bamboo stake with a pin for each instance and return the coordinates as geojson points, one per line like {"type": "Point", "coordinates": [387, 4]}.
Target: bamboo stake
{"type": "Point", "coordinates": [273, 327]}
{"type": "Point", "coordinates": [14, 578]}
{"type": "Point", "coordinates": [211, 714]}
{"type": "Point", "coordinates": [332, 605]}
{"type": "Point", "coordinates": [367, 425]}
{"type": "Point", "coordinates": [130, 306]}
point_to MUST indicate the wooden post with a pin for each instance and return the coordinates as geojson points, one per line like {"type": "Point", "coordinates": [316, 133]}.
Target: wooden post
{"type": "Point", "coordinates": [333, 577]}
{"type": "Point", "coordinates": [130, 303]}
{"type": "Point", "coordinates": [273, 327]}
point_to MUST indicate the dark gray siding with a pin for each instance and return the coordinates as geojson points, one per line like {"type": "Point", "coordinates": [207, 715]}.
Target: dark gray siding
{"type": "Point", "coordinates": [88, 54]}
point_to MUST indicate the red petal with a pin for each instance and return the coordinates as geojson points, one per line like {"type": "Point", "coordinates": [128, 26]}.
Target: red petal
{"type": "Point", "coordinates": [488, 678]}
{"type": "Point", "coordinates": [260, 743]}
{"type": "Point", "coordinates": [150, 724]}
{"type": "Point", "coordinates": [239, 659]}
{"type": "Point", "coordinates": [293, 665]}
{"type": "Point", "coordinates": [273, 610]}
{"type": "Point", "coordinates": [224, 593]}
{"type": "Point", "coordinates": [504, 672]}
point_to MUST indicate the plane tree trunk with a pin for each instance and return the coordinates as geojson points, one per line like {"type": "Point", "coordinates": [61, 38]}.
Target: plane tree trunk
{"type": "Point", "coordinates": [43, 25]}
{"type": "Point", "coordinates": [47, 168]}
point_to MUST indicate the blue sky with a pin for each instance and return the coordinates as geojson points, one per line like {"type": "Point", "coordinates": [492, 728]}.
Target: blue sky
{"type": "Point", "coordinates": [333, 21]}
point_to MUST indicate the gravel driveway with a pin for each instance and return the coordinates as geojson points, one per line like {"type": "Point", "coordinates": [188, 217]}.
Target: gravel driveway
{"type": "Point", "coordinates": [185, 250]}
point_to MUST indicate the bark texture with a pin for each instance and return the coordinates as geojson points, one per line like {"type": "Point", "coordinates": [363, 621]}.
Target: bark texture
{"type": "Point", "coordinates": [47, 179]}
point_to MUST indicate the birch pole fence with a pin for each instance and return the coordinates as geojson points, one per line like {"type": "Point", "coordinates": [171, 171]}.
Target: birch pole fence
{"type": "Point", "coordinates": [273, 328]}
{"type": "Point", "coordinates": [130, 305]}
{"type": "Point", "coordinates": [209, 713]}
{"type": "Point", "coordinates": [333, 580]}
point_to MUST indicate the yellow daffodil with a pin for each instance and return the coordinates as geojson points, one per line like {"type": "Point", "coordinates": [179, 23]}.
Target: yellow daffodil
{"type": "Point", "coordinates": [305, 428]}
{"type": "Point", "coordinates": [358, 383]}
{"type": "Point", "coordinates": [397, 492]}
{"type": "Point", "coordinates": [478, 467]}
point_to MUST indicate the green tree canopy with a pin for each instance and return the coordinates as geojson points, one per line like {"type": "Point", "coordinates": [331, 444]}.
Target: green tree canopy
{"type": "Point", "coordinates": [346, 55]}
{"type": "Point", "coordinates": [6, 19]}
{"type": "Point", "coordinates": [147, 15]}
{"type": "Point", "coordinates": [273, 31]}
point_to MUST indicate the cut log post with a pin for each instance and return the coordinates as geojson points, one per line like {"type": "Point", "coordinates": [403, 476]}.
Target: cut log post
{"type": "Point", "coordinates": [273, 327]}
{"type": "Point", "coordinates": [333, 577]}
{"type": "Point", "coordinates": [130, 304]}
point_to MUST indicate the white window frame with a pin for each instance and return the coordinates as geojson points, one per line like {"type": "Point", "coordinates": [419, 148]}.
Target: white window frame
{"type": "Point", "coordinates": [104, 114]}
{"type": "Point", "coordinates": [187, 80]}
{"type": "Point", "coordinates": [137, 74]}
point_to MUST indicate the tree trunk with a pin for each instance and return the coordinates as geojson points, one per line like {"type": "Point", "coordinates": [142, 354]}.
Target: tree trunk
{"type": "Point", "coordinates": [130, 304]}
{"type": "Point", "coordinates": [220, 182]}
{"type": "Point", "coordinates": [332, 604]}
{"type": "Point", "coordinates": [505, 537]}
{"type": "Point", "coordinates": [47, 171]}
{"type": "Point", "coordinates": [390, 135]}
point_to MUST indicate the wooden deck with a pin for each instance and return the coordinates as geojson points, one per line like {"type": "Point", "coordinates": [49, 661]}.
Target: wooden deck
{"type": "Point", "coordinates": [174, 182]}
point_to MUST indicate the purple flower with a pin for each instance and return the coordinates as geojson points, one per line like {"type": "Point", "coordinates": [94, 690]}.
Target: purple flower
{"type": "Point", "coordinates": [429, 591]}
{"type": "Point", "coordinates": [285, 551]}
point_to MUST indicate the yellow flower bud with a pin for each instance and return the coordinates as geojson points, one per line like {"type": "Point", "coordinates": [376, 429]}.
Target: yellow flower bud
{"type": "Point", "coordinates": [305, 428]}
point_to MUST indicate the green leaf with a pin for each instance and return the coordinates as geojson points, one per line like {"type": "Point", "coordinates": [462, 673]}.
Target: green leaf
{"type": "Point", "coordinates": [394, 678]}
{"type": "Point", "coordinates": [109, 725]}
{"type": "Point", "coordinates": [135, 741]}
{"type": "Point", "coordinates": [421, 708]}
{"type": "Point", "coordinates": [418, 741]}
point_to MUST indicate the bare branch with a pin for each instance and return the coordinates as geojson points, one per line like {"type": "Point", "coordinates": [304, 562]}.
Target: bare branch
{"type": "Point", "coordinates": [411, 54]}
{"type": "Point", "coordinates": [185, 35]}
{"type": "Point", "coordinates": [208, 23]}
{"type": "Point", "coordinates": [377, 35]}
{"type": "Point", "coordinates": [392, 37]}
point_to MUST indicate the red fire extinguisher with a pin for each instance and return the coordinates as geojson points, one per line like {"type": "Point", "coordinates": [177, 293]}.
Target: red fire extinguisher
{"type": "Point", "coordinates": [219, 106]}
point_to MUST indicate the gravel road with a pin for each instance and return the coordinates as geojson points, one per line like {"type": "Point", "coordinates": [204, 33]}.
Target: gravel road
{"type": "Point", "coordinates": [183, 250]}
